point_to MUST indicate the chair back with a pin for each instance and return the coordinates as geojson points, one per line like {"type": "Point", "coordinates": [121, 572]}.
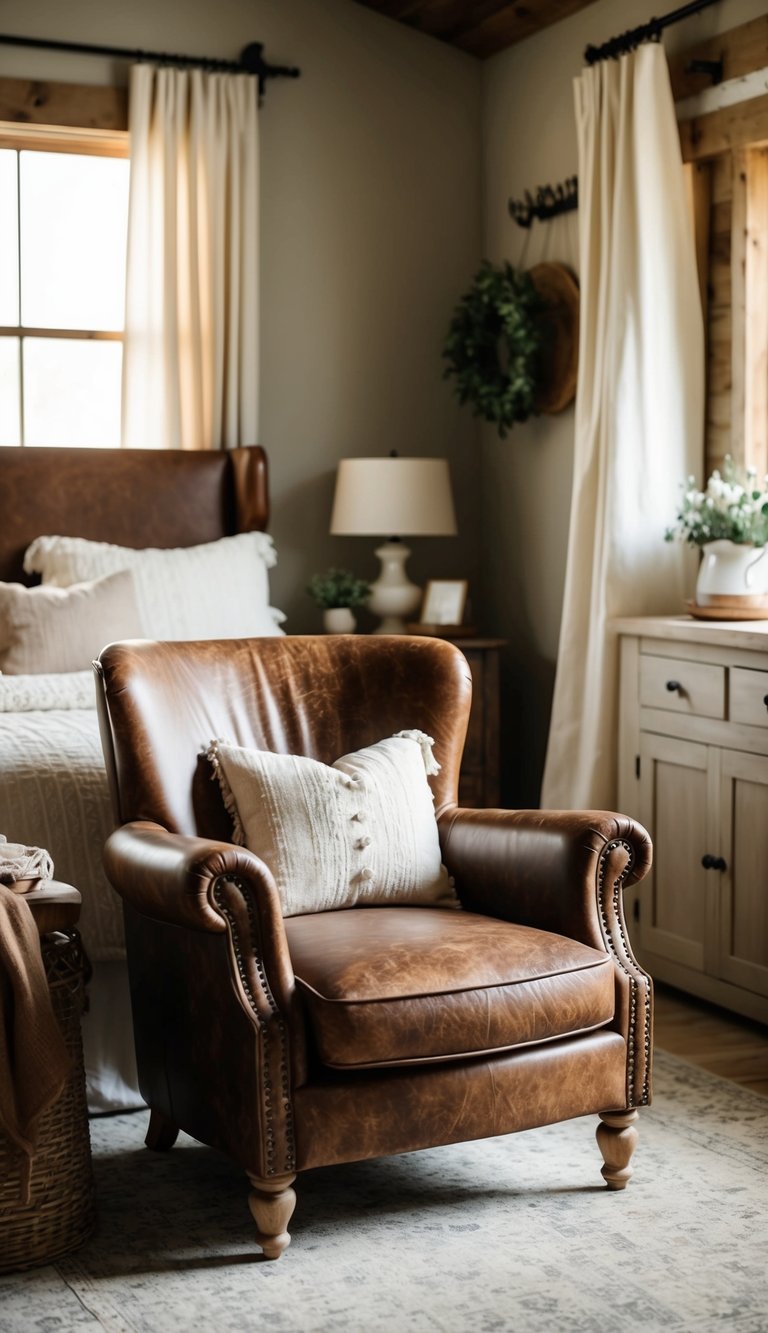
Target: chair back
{"type": "Point", "coordinates": [161, 704]}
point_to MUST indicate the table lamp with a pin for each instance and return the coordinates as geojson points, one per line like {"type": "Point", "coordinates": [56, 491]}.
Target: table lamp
{"type": "Point", "coordinates": [393, 498]}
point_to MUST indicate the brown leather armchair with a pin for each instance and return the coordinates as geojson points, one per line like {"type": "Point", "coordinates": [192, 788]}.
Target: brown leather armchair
{"type": "Point", "coordinates": [523, 1008]}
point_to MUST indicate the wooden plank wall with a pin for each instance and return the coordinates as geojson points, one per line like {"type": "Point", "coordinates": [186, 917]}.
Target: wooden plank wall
{"type": "Point", "coordinates": [719, 327]}
{"type": "Point", "coordinates": [727, 156]}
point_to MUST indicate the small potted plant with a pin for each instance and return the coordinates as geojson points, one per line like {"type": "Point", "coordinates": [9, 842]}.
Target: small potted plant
{"type": "Point", "coordinates": [338, 592]}
{"type": "Point", "coordinates": [728, 521]}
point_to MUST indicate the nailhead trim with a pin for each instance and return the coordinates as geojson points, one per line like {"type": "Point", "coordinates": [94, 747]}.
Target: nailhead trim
{"type": "Point", "coordinates": [267, 1026]}
{"type": "Point", "coordinates": [636, 978]}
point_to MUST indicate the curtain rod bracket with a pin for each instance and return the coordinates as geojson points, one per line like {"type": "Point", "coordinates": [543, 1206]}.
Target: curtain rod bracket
{"type": "Point", "coordinates": [253, 62]}
{"type": "Point", "coordinates": [714, 68]}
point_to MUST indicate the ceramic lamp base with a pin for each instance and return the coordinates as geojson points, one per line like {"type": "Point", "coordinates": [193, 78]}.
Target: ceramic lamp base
{"type": "Point", "coordinates": [393, 596]}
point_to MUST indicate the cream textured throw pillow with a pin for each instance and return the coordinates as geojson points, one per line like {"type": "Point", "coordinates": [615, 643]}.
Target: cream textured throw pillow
{"type": "Point", "coordinates": [217, 590]}
{"type": "Point", "coordinates": [360, 832]}
{"type": "Point", "coordinates": [62, 629]}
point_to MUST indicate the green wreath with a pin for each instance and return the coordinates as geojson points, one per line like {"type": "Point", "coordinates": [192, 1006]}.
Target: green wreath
{"type": "Point", "coordinates": [493, 344]}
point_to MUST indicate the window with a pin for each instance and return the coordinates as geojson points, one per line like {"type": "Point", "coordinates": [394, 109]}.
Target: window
{"type": "Point", "coordinates": [725, 142]}
{"type": "Point", "coordinates": [63, 227]}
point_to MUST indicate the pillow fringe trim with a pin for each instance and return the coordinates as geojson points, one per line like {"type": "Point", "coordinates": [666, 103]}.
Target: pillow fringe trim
{"type": "Point", "coordinates": [212, 754]}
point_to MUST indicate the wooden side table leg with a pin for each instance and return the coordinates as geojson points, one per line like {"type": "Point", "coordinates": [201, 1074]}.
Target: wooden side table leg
{"type": "Point", "coordinates": [617, 1138]}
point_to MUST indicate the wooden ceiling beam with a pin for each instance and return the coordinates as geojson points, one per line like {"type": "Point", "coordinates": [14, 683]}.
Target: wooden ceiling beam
{"type": "Point", "coordinates": [480, 27]}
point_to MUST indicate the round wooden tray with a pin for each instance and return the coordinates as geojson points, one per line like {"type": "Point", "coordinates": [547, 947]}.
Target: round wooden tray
{"type": "Point", "coordinates": [559, 361]}
{"type": "Point", "coordinates": [727, 612]}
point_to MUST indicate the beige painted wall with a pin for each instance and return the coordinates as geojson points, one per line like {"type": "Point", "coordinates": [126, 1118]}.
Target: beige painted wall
{"type": "Point", "coordinates": [529, 139]}
{"type": "Point", "coordinates": [370, 177]}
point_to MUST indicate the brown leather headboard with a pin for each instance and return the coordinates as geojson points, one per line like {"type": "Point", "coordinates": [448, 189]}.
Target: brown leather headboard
{"type": "Point", "coordinates": [132, 497]}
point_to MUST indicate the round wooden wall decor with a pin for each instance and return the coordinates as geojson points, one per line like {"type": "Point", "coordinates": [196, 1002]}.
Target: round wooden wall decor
{"type": "Point", "coordinates": [559, 360]}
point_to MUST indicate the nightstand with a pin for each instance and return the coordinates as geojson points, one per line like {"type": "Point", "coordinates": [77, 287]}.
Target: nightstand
{"type": "Point", "coordinates": [480, 766]}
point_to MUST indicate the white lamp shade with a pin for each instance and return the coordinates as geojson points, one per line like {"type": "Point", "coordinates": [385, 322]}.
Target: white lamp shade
{"type": "Point", "coordinates": [393, 497]}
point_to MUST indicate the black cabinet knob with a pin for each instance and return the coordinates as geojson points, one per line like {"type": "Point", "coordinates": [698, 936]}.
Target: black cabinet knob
{"type": "Point", "coordinates": [765, 700]}
{"type": "Point", "coordinates": [674, 687]}
{"type": "Point", "coordinates": [710, 862]}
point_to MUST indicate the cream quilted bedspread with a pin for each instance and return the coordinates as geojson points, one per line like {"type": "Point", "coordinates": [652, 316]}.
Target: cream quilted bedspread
{"type": "Point", "coordinates": [53, 792]}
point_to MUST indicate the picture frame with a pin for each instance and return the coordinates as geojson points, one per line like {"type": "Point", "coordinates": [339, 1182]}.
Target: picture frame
{"type": "Point", "coordinates": [444, 602]}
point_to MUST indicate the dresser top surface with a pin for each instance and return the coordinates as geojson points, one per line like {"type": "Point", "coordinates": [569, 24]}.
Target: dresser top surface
{"type": "Point", "coordinates": [686, 629]}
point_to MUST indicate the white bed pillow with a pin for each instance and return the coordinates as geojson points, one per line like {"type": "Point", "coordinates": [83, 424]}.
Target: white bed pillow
{"type": "Point", "coordinates": [41, 693]}
{"type": "Point", "coordinates": [49, 629]}
{"type": "Point", "coordinates": [218, 590]}
{"type": "Point", "coordinates": [358, 833]}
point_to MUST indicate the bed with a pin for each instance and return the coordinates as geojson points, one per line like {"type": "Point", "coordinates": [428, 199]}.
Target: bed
{"type": "Point", "coordinates": [71, 522]}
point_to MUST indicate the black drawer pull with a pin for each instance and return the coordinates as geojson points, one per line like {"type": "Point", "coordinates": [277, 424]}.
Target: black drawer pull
{"type": "Point", "coordinates": [675, 687]}
{"type": "Point", "coordinates": [710, 862]}
{"type": "Point", "coordinates": [765, 700]}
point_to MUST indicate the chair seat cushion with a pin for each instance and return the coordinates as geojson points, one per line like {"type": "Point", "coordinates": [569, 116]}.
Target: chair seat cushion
{"type": "Point", "coordinates": [397, 985]}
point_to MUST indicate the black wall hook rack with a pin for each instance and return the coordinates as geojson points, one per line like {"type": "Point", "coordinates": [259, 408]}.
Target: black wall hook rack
{"type": "Point", "coordinates": [549, 201]}
{"type": "Point", "coordinates": [251, 58]}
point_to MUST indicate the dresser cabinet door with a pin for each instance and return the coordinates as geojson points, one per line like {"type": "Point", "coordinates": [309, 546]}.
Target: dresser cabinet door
{"type": "Point", "coordinates": [744, 890]}
{"type": "Point", "coordinates": [676, 800]}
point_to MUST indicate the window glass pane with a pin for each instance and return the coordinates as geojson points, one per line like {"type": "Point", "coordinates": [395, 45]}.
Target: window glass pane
{"type": "Point", "coordinates": [10, 425]}
{"type": "Point", "coordinates": [9, 239]}
{"type": "Point", "coordinates": [72, 391]}
{"type": "Point", "coordinates": [74, 212]}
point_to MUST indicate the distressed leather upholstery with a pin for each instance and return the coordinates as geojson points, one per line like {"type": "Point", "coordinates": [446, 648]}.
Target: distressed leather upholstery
{"type": "Point", "coordinates": [337, 1036]}
{"type": "Point", "coordinates": [403, 985]}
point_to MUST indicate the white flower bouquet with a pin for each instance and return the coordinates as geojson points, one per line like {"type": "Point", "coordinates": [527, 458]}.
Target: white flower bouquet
{"type": "Point", "coordinates": [733, 507]}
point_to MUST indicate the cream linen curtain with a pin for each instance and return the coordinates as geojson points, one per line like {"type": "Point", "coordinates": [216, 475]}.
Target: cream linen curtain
{"type": "Point", "coordinates": [190, 368]}
{"type": "Point", "coordinates": [639, 405]}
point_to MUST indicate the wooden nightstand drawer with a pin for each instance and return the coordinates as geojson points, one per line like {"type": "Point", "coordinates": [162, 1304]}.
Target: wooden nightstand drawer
{"type": "Point", "coordinates": [694, 688]}
{"type": "Point", "coordinates": [749, 697]}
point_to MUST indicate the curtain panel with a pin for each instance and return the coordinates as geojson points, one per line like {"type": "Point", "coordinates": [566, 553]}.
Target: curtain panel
{"type": "Point", "coordinates": [190, 367]}
{"type": "Point", "coordinates": [639, 406]}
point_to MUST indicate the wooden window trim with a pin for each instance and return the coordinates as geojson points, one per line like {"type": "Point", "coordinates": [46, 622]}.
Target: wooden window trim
{"type": "Point", "coordinates": [726, 156]}
{"type": "Point", "coordinates": [80, 106]}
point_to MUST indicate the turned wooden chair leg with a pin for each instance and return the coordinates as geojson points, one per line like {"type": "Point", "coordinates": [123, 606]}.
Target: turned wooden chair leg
{"type": "Point", "coordinates": [162, 1133]}
{"type": "Point", "coordinates": [617, 1138]}
{"type": "Point", "coordinates": [272, 1203]}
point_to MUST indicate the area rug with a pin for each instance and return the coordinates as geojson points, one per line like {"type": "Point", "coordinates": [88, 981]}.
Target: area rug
{"type": "Point", "coordinates": [512, 1233]}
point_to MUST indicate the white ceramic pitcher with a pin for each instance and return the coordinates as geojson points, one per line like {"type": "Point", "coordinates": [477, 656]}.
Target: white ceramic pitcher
{"type": "Point", "coordinates": [731, 569]}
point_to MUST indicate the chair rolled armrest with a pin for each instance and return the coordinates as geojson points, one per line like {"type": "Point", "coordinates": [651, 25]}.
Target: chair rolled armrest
{"type": "Point", "coordinates": [544, 868]}
{"type": "Point", "coordinates": [189, 881]}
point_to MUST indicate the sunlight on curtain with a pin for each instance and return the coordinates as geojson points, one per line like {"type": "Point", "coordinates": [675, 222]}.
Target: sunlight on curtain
{"type": "Point", "coordinates": [190, 370]}
{"type": "Point", "coordinates": [639, 405]}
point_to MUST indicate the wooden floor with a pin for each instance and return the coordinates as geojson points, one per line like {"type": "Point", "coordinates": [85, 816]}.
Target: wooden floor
{"type": "Point", "coordinates": [724, 1043]}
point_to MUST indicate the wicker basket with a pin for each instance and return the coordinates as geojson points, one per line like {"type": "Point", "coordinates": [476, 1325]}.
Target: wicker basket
{"type": "Point", "coordinates": [61, 1212]}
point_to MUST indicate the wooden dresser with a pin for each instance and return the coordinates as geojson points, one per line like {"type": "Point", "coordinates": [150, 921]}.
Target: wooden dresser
{"type": "Point", "coordinates": [693, 768]}
{"type": "Point", "coordinates": [480, 766]}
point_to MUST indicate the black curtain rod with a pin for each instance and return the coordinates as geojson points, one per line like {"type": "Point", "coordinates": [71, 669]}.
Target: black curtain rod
{"type": "Point", "coordinates": [648, 32]}
{"type": "Point", "coordinates": [251, 60]}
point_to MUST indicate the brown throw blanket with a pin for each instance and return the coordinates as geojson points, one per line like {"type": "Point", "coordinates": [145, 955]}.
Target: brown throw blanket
{"type": "Point", "coordinates": [34, 1062]}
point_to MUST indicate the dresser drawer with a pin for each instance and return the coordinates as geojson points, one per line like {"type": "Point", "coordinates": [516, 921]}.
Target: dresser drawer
{"type": "Point", "coordinates": [696, 689]}
{"type": "Point", "coordinates": [749, 696]}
